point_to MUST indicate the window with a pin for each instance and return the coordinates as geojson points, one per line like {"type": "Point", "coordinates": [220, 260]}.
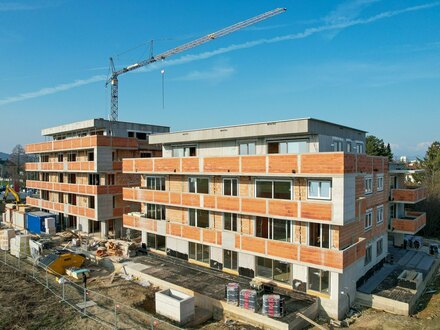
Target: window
{"type": "Point", "coordinates": [60, 158]}
{"type": "Point", "coordinates": [380, 182]}
{"type": "Point", "coordinates": [379, 214]}
{"type": "Point", "coordinates": [45, 177]}
{"type": "Point", "coordinates": [91, 202]}
{"type": "Point", "coordinates": [145, 154]}
{"type": "Point", "coordinates": [319, 280]}
{"type": "Point", "coordinates": [230, 260]}
{"type": "Point", "coordinates": [199, 252]}
{"type": "Point", "coordinates": [368, 185]}
{"type": "Point", "coordinates": [368, 255]}
{"type": "Point", "coordinates": [319, 189]}
{"type": "Point", "coordinates": [110, 179]}
{"type": "Point", "coordinates": [287, 147]}
{"type": "Point", "coordinates": [359, 147]}
{"type": "Point", "coordinates": [319, 235]}
{"type": "Point", "coordinates": [114, 202]}
{"type": "Point", "coordinates": [368, 218]}
{"type": "Point", "coordinates": [273, 269]}
{"type": "Point", "coordinates": [230, 187]}
{"type": "Point", "coordinates": [247, 148]}
{"type": "Point", "coordinates": [338, 145]}
{"type": "Point", "coordinates": [60, 177]}
{"type": "Point", "coordinates": [71, 157]}
{"type": "Point", "coordinates": [156, 242]}
{"type": "Point", "coordinates": [113, 156]}
{"type": "Point", "coordinates": [141, 135]}
{"type": "Point", "coordinates": [275, 229]}
{"type": "Point", "coordinates": [198, 218]}
{"type": "Point", "coordinates": [156, 182]}
{"type": "Point", "coordinates": [198, 185]}
{"type": "Point", "coordinates": [348, 146]}
{"type": "Point", "coordinates": [187, 151]}
{"type": "Point", "coordinates": [71, 178]}
{"type": "Point", "coordinates": [130, 134]}
{"type": "Point", "coordinates": [44, 158]}
{"type": "Point", "coordinates": [91, 156]}
{"type": "Point", "coordinates": [155, 211]}
{"type": "Point", "coordinates": [71, 199]}
{"type": "Point", "coordinates": [94, 179]}
{"type": "Point", "coordinates": [230, 221]}
{"type": "Point", "coordinates": [379, 246]}
{"type": "Point", "coordinates": [273, 189]}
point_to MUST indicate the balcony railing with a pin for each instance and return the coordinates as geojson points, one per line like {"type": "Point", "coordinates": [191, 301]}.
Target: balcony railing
{"type": "Point", "coordinates": [61, 166]}
{"type": "Point", "coordinates": [86, 142]}
{"type": "Point", "coordinates": [61, 207]}
{"type": "Point", "coordinates": [318, 210]}
{"type": "Point", "coordinates": [408, 195]}
{"type": "Point", "coordinates": [336, 259]}
{"type": "Point", "coordinates": [410, 224]}
{"type": "Point", "coordinates": [73, 188]}
{"type": "Point", "coordinates": [322, 163]}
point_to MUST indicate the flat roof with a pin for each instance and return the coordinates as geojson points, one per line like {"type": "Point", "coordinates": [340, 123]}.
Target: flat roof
{"type": "Point", "coordinates": [99, 123]}
{"type": "Point", "coordinates": [279, 127]}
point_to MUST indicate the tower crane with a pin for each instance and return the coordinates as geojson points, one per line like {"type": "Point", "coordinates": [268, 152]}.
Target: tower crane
{"type": "Point", "coordinates": [113, 79]}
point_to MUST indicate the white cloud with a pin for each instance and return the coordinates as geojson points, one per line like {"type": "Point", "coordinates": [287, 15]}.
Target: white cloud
{"type": "Point", "coordinates": [216, 74]}
{"type": "Point", "coordinates": [205, 55]}
{"type": "Point", "coordinates": [20, 6]}
{"type": "Point", "coordinates": [51, 90]}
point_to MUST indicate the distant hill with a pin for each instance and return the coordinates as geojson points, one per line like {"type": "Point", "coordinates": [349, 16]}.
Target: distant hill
{"type": "Point", "coordinates": [4, 156]}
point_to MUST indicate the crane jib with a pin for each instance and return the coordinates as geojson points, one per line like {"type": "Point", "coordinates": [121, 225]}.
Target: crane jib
{"type": "Point", "coordinates": [179, 49]}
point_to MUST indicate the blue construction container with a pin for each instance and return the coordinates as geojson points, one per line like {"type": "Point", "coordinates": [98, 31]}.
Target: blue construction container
{"type": "Point", "coordinates": [35, 221]}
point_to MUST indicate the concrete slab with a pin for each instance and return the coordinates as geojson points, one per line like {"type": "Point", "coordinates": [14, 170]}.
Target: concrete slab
{"type": "Point", "coordinates": [377, 278]}
{"type": "Point", "coordinates": [136, 266]}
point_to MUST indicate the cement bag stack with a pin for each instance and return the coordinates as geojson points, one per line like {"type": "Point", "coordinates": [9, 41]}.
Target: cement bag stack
{"type": "Point", "coordinates": [248, 300]}
{"type": "Point", "coordinates": [20, 246]}
{"type": "Point", "coordinates": [49, 224]}
{"type": "Point", "coordinates": [5, 238]}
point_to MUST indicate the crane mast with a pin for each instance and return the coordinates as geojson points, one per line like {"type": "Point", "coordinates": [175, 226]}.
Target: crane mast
{"type": "Point", "coordinates": [113, 80]}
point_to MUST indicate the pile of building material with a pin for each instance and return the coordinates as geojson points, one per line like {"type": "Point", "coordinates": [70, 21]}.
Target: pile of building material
{"type": "Point", "coordinates": [273, 305]}
{"type": "Point", "coordinates": [232, 293]}
{"type": "Point", "coordinates": [248, 300]}
{"type": "Point", "coordinates": [19, 246]}
{"type": "Point", "coordinates": [117, 248]}
{"type": "Point", "coordinates": [5, 238]}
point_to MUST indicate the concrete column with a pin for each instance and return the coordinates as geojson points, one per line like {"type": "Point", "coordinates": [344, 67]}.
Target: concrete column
{"type": "Point", "coordinates": [398, 239]}
{"type": "Point", "coordinates": [144, 237]}
{"type": "Point", "coordinates": [117, 227]}
{"type": "Point", "coordinates": [104, 229]}
{"type": "Point", "coordinates": [83, 224]}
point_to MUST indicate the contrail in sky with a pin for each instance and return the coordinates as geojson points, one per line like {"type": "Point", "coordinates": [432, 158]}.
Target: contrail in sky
{"type": "Point", "coordinates": [205, 55]}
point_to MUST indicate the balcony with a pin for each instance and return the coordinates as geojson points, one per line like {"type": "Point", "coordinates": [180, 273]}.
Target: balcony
{"type": "Point", "coordinates": [278, 208]}
{"type": "Point", "coordinates": [63, 208]}
{"type": "Point", "coordinates": [410, 195]}
{"type": "Point", "coordinates": [323, 163]}
{"type": "Point", "coordinates": [74, 188]}
{"type": "Point", "coordinates": [410, 224]}
{"type": "Point", "coordinates": [336, 259]}
{"type": "Point", "coordinates": [62, 166]}
{"type": "Point", "coordinates": [86, 142]}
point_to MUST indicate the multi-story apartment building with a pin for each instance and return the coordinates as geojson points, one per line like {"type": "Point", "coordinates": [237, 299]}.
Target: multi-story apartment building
{"type": "Point", "coordinates": [403, 219]}
{"type": "Point", "coordinates": [296, 203]}
{"type": "Point", "coordinates": [78, 172]}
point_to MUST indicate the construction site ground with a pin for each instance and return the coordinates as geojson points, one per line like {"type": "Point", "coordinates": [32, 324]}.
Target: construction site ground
{"type": "Point", "coordinates": [427, 316]}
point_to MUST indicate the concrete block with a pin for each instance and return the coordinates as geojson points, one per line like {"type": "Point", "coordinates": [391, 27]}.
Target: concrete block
{"type": "Point", "coordinates": [175, 305]}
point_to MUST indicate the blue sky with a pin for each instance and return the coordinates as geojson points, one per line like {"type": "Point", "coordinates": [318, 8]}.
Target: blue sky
{"type": "Point", "coordinates": [370, 64]}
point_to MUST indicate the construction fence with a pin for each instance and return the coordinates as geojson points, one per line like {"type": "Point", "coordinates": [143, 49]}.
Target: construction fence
{"type": "Point", "coordinates": [88, 303]}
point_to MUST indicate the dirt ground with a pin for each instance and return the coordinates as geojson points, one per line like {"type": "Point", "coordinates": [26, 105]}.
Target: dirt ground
{"type": "Point", "coordinates": [427, 317]}
{"type": "Point", "coordinates": [27, 305]}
